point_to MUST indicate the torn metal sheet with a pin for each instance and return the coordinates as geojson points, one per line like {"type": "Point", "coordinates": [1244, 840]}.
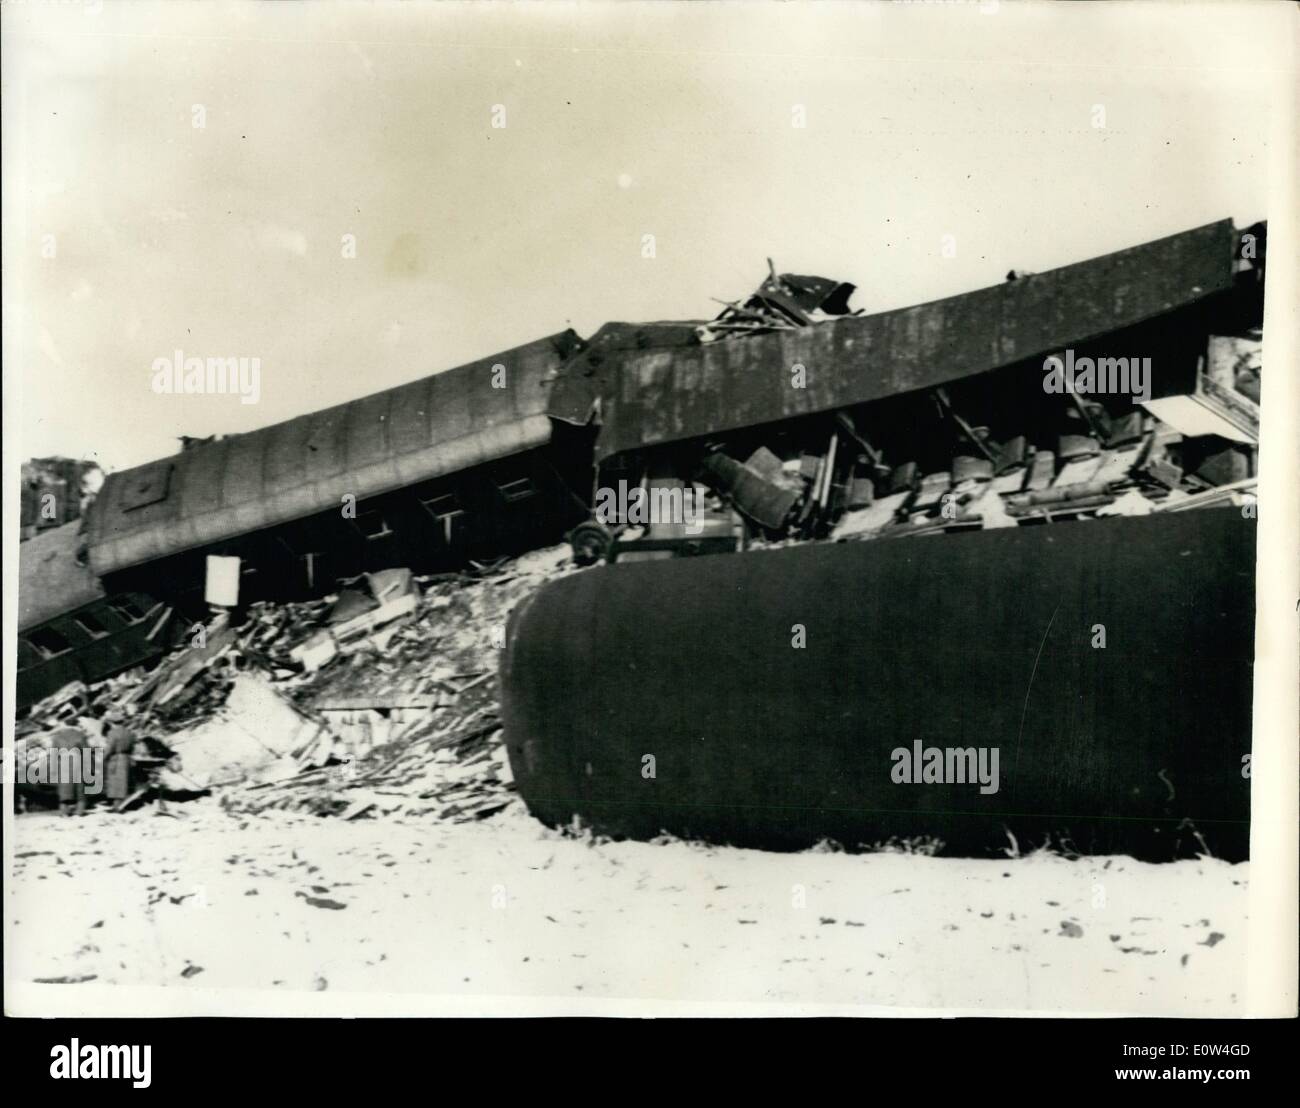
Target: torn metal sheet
{"type": "Point", "coordinates": [811, 294]}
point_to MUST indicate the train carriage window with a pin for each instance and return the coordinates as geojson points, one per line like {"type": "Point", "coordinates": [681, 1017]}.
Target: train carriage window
{"type": "Point", "coordinates": [446, 509]}
{"type": "Point", "coordinates": [446, 506]}
{"type": "Point", "coordinates": [372, 524]}
{"type": "Point", "coordinates": [127, 609]}
{"type": "Point", "coordinates": [49, 643]}
{"type": "Point", "coordinates": [519, 489]}
{"type": "Point", "coordinates": [91, 625]}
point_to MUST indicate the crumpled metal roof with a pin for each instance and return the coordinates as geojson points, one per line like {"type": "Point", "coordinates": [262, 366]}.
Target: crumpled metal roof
{"type": "Point", "coordinates": [218, 490]}
{"type": "Point", "coordinates": [663, 392]}
{"type": "Point", "coordinates": [50, 580]}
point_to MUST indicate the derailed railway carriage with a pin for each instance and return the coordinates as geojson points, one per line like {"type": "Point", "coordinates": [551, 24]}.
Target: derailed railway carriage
{"type": "Point", "coordinates": [427, 475]}
{"type": "Point", "coordinates": [788, 417]}
{"type": "Point", "coordinates": [981, 648]}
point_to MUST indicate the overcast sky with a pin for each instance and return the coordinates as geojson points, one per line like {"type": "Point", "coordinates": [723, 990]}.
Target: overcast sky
{"type": "Point", "coordinates": [320, 121]}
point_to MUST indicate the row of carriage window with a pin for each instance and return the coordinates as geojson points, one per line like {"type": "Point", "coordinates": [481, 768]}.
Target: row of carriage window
{"type": "Point", "coordinates": [46, 643]}
{"type": "Point", "coordinates": [49, 642]}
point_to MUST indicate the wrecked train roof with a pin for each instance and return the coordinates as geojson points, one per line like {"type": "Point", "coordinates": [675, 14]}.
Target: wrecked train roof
{"type": "Point", "coordinates": [51, 581]}
{"type": "Point", "coordinates": [649, 391]}
{"type": "Point", "coordinates": [430, 427]}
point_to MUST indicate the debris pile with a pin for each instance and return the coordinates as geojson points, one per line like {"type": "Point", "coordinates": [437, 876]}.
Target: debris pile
{"type": "Point", "coordinates": [447, 764]}
{"type": "Point", "coordinates": [837, 480]}
{"type": "Point", "coordinates": [1010, 448]}
{"type": "Point", "coordinates": [380, 700]}
{"type": "Point", "coordinates": [781, 303]}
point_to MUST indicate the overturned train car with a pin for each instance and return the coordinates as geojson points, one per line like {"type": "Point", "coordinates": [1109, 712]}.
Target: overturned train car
{"type": "Point", "coordinates": [460, 465]}
{"type": "Point", "coordinates": [778, 698]}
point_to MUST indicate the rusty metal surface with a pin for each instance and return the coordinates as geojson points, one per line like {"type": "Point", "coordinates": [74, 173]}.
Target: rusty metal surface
{"type": "Point", "coordinates": [666, 392]}
{"type": "Point", "coordinates": [983, 639]}
{"type": "Point", "coordinates": [412, 433]}
{"type": "Point", "coordinates": [581, 382]}
{"type": "Point", "coordinates": [50, 581]}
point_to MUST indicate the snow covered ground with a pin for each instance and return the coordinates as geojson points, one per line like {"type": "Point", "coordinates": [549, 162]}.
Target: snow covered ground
{"type": "Point", "coordinates": [149, 914]}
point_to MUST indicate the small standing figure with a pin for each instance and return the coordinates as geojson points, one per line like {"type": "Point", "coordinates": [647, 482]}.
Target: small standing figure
{"type": "Point", "coordinates": [119, 742]}
{"type": "Point", "coordinates": [70, 775]}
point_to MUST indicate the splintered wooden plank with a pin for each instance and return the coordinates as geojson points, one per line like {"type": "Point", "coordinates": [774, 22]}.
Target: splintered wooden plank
{"type": "Point", "coordinates": [1041, 471]}
{"type": "Point", "coordinates": [1077, 471]}
{"type": "Point", "coordinates": [933, 486]}
{"type": "Point", "coordinates": [1115, 464]}
{"type": "Point", "coordinates": [1012, 481]}
{"type": "Point", "coordinates": [870, 519]}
